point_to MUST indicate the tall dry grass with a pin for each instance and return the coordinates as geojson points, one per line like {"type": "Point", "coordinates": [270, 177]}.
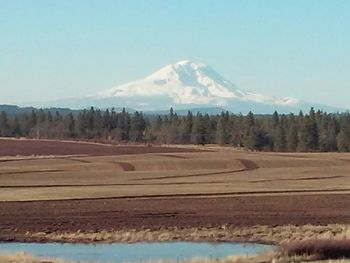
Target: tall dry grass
{"type": "Point", "coordinates": [23, 257]}
{"type": "Point", "coordinates": [319, 249]}
{"type": "Point", "coordinates": [258, 234]}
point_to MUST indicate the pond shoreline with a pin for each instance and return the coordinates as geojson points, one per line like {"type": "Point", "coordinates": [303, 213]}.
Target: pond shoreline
{"type": "Point", "coordinates": [281, 237]}
{"type": "Point", "coordinates": [133, 252]}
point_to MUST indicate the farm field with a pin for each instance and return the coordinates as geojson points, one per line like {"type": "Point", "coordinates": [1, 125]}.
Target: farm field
{"type": "Point", "coordinates": [101, 187]}
{"type": "Point", "coordinates": [137, 171]}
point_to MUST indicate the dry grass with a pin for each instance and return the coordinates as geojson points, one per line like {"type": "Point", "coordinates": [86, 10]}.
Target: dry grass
{"type": "Point", "coordinates": [320, 249]}
{"type": "Point", "coordinates": [278, 235]}
{"type": "Point", "coordinates": [26, 258]}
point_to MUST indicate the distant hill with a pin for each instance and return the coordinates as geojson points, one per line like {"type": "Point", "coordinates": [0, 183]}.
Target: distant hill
{"type": "Point", "coordinates": [210, 111]}
{"type": "Point", "coordinates": [14, 109]}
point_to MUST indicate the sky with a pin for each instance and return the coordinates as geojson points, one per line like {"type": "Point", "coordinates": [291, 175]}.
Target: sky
{"type": "Point", "coordinates": [51, 49]}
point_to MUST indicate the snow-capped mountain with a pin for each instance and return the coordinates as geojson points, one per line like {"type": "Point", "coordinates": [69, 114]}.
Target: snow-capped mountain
{"type": "Point", "coordinates": [190, 83]}
{"type": "Point", "coordinates": [186, 85]}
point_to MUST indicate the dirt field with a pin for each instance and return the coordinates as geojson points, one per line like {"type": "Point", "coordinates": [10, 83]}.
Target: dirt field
{"type": "Point", "coordinates": [112, 214]}
{"type": "Point", "coordinates": [46, 147]}
{"type": "Point", "coordinates": [113, 188]}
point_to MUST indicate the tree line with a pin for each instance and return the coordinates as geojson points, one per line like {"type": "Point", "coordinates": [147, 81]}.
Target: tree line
{"type": "Point", "coordinates": [311, 132]}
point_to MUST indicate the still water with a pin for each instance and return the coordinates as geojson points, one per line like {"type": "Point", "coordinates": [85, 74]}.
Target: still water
{"type": "Point", "coordinates": [134, 252]}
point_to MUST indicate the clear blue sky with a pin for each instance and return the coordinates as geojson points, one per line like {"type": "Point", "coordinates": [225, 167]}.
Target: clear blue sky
{"type": "Point", "coordinates": [53, 49]}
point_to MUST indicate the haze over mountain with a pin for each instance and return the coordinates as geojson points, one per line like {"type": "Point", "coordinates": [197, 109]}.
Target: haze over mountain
{"type": "Point", "coordinates": [187, 85]}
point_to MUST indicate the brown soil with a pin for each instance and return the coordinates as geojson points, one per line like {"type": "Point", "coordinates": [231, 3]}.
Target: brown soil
{"type": "Point", "coordinates": [16, 218]}
{"type": "Point", "coordinates": [13, 147]}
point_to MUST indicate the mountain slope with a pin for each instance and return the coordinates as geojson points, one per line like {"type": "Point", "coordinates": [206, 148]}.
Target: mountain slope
{"type": "Point", "coordinates": [186, 83]}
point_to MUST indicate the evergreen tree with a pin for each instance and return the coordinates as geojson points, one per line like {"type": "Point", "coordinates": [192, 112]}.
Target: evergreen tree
{"type": "Point", "coordinates": [41, 116]}
{"type": "Point", "coordinates": [15, 129]}
{"type": "Point", "coordinates": [123, 125]}
{"type": "Point", "coordinates": [251, 139]}
{"type": "Point", "coordinates": [222, 134]}
{"type": "Point", "coordinates": [185, 128]}
{"type": "Point", "coordinates": [312, 139]}
{"type": "Point", "coordinates": [280, 140]}
{"type": "Point", "coordinates": [69, 123]}
{"type": "Point", "coordinates": [343, 141]}
{"type": "Point", "coordinates": [4, 125]}
{"type": "Point", "coordinates": [236, 131]}
{"type": "Point", "coordinates": [199, 130]}
{"type": "Point", "coordinates": [316, 131]}
{"type": "Point", "coordinates": [107, 121]}
{"type": "Point", "coordinates": [275, 120]}
{"type": "Point", "coordinates": [83, 124]}
{"type": "Point", "coordinates": [308, 135]}
{"type": "Point", "coordinates": [292, 137]}
{"type": "Point", "coordinates": [332, 136]}
{"type": "Point", "coordinates": [32, 120]}
{"type": "Point", "coordinates": [138, 125]}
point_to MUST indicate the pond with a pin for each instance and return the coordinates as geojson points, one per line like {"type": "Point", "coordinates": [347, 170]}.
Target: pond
{"type": "Point", "coordinates": [134, 252]}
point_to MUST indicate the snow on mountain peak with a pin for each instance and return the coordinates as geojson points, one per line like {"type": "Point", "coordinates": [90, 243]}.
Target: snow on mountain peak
{"type": "Point", "coordinates": [188, 82]}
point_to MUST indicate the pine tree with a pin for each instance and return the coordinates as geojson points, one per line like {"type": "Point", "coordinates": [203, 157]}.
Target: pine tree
{"type": "Point", "coordinates": [185, 128]}
{"type": "Point", "coordinates": [15, 129]}
{"type": "Point", "coordinates": [263, 140]}
{"type": "Point", "coordinates": [32, 121]}
{"type": "Point", "coordinates": [41, 116]}
{"type": "Point", "coordinates": [332, 136]}
{"type": "Point", "coordinates": [222, 134]}
{"type": "Point", "coordinates": [198, 130]}
{"type": "Point", "coordinates": [83, 124]}
{"type": "Point", "coordinates": [49, 117]}
{"type": "Point", "coordinates": [249, 121]}
{"type": "Point", "coordinates": [312, 140]}
{"type": "Point", "coordinates": [69, 124]}
{"type": "Point", "coordinates": [98, 124]}
{"type": "Point", "coordinates": [280, 140]}
{"type": "Point", "coordinates": [249, 134]}
{"type": "Point", "coordinates": [4, 125]}
{"type": "Point", "coordinates": [171, 115]}
{"type": "Point", "coordinates": [308, 134]}
{"type": "Point", "coordinates": [251, 139]}
{"type": "Point", "coordinates": [90, 121]}
{"type": "Point", "coordinates": [106, 125]}
{"type": "Point", "coordinates": [343, 141]}
{"type": "Point", "coordinates": [138, 125]}
{"type": "Point", "coordinates": [316, 131]}
{"type": "Point", "coordinates": [24, 124]}
{"type": "Point", "coordinates": [292, 137]}
{"type": "Point", "coordinates": [236, 131]}
{"type": "Point", "coordinates": [275, 120]}
{"type": "Point", "coordinates": [123, 125]}
{"type": "Point", "coordinates": [327, 133]}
